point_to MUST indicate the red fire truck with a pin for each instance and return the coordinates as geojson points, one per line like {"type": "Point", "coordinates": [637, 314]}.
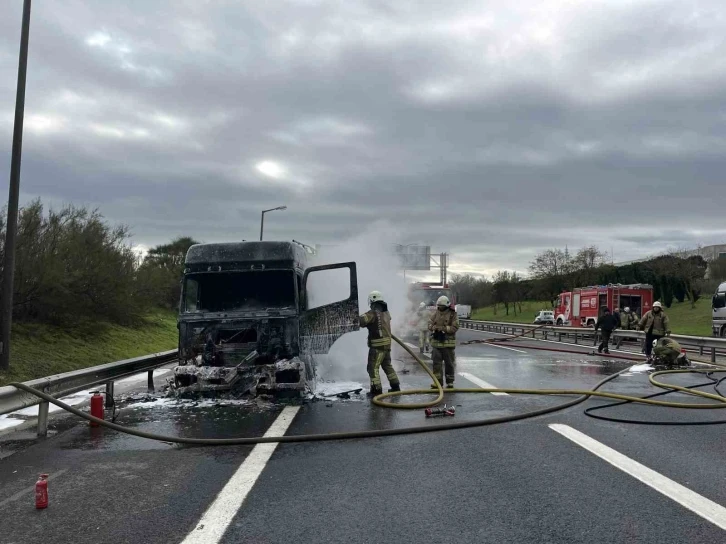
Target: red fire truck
{"type": "Point", "coordinates": [428, 293]}
{"type": "Point", "coordinates": [582, 306]}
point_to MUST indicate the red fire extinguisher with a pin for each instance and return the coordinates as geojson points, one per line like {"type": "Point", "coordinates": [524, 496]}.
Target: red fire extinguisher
{"type": "Point", "coordinates": [96, 407]}
{"type": "Point", "coordinates": [41, 492]}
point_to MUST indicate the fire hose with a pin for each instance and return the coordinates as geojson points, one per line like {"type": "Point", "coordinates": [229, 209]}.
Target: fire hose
{"type": "Point", "coordinates": [718, 402]}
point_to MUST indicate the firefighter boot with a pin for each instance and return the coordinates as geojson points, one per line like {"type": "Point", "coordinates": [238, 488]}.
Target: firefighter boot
{"type": "Point", "coordinates": [395, 387]}
{"type": "Point", "coordinates": [375, 390]}
{"type": "Point", "coordinates": [450, 385]}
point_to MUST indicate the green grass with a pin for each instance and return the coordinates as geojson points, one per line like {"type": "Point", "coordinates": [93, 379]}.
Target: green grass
{"type": "Point", "coordinates": [39, 350]}
{"type": "Point", "coordinates": [529, 310]}
{"type": "Point", "coordinates": [684, 319]}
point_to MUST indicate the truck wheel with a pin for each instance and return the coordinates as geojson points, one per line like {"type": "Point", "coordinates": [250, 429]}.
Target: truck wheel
{"type": "Point", "coordinates": [723, 332]}
{"type": "Point", "coordinates": [559, 323]}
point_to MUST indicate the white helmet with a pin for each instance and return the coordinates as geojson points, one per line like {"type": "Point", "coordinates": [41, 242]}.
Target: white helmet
{"type": "Point", "coordinates": [422, 305]}
{"type": "Point", "coordinates": [655, 343]}
{"type": "Point", "coordinates": [442, 301]}
{"type": "Point", "coordinates": [375, 296]}
{"type": "Point", "coordinates": [627, 309]}
{"type": "Point", "coordinates": [657, 304]}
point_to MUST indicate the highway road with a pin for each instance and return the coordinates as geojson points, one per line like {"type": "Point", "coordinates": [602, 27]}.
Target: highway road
{"type": "Point", "coordinates": [562, 477]}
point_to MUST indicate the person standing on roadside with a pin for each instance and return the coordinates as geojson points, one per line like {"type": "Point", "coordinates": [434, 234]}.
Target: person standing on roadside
{"type": "Point", "coordinates": [443, 325]}
{"type": "Point", "coordinates": [378, 322]}
{"type": "Point", "coordinates": [656, 325]}
{"type": "Point", "coordinates": [608, 323]}
{"type": "Point", "coordinates": [424, 336]}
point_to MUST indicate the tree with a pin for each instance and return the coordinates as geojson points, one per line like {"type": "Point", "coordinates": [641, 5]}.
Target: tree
{"type": "Point", "coordinates": [502, 290]}
{"type": "Point", "coordinates": [162, 269]}
{"type": "Point", "coordinates": [589, 257]}
{"type": "Point", "coordinates": [551, 268]}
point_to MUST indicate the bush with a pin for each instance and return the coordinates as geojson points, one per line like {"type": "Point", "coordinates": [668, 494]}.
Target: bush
{"type": "Point", "coordinates": [72, 266]}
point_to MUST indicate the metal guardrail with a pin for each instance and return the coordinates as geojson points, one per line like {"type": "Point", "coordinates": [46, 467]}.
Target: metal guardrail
{"type": "Point", "coordinates": [715, 346]}
{"type": "Point", "coordinates": [58, 385]}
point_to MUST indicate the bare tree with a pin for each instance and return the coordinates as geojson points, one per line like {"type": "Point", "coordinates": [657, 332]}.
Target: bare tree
{"type": "Point", "coordinates": [551, 263]}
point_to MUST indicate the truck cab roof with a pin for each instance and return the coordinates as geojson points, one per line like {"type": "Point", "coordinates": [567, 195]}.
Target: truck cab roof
{"type": "Point", "coordinates": [245, 255]}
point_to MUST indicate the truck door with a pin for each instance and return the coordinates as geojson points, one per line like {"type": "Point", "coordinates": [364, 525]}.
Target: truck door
{"type": "Point", "coordinates": [320, 327]}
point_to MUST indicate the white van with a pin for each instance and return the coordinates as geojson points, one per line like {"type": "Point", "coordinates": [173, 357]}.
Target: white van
{"type": "Point", "coordinates": [463, 311]}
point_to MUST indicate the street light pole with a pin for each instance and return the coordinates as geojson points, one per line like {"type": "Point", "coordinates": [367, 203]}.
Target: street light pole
{"type": "Point", "coordinates": [262, 217]}
{"type": "Point", "coordinates": [14, 195]}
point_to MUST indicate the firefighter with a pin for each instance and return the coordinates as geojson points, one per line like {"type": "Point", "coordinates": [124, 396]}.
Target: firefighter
{"type": "Point", "coordinates": [443, 325]}
{"type": "Point", "coordinates": [626, 319]}
{"type": "Point", "coordinates": [608, 323]}
{"type": "Point", "coordinates": [422, 320]}
{"type": "Point", "coordinates": [656, 325]}
{"type": "Point", "coordinates": [378, 322]}
{"type": "Point", "coordinates": [667, 351]}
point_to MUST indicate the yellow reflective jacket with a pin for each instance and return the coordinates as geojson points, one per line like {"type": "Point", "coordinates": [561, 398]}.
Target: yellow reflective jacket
{"type": "Point", "coordinates": [378, 322]}
{"type": "Point", "coordinates": [446, 322]}
{"type": "Point", "coordinates": [659, 321]}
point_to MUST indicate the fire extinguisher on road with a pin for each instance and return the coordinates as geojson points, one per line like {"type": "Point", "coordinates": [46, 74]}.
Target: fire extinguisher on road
{"type": "Point", "coordinates": [96, 407]}
{"type": "Point", "coordinates": [41, 492]}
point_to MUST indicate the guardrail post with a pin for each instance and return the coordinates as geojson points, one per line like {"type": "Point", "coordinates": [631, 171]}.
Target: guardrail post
{"type": "Point", "coordinates": [700, 350]}
{"type": "Point", "coordinates": [109, 395]}
{"type": "Point", "coordinates": [43, 418]}
{"type": "Point", "coordinates": [150, 384]}
{"type": "Point", "coordinates": [576, 336]}
{"type": "Point", "coordinates": [713, 355]}
{"type": "Point", "coordinates": [559, 337]}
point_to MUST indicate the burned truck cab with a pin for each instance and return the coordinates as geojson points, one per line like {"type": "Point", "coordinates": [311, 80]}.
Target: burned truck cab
{"type": "Point", "coordinates": [246, 321]}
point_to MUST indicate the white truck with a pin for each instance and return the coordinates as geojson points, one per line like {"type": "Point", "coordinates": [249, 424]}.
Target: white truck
{"type": "Point", "coordinates": [718, 304]}
{"type": "Point", "coordinates": [463, 311]}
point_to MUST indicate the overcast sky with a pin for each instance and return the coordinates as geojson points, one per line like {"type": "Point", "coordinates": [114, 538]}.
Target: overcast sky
{"type": "Point", "coordinates": [491, 130]}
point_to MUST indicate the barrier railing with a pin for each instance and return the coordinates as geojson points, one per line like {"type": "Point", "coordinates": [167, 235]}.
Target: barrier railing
{"type": "Point", "coordinates": [58, 385]}
{"type": "Point", "coordinates": [715, 346]}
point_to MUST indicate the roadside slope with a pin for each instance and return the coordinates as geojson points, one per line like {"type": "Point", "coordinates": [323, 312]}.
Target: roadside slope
{"type": "Point", "coordinates": [41, 350]}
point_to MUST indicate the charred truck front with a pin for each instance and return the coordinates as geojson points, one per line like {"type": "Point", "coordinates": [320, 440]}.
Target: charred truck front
{"type": "Point", "coordinates": [245, 321]}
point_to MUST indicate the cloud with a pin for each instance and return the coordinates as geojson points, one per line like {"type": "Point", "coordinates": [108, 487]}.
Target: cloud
{"type": "Point", "coordinates": [488, 130]}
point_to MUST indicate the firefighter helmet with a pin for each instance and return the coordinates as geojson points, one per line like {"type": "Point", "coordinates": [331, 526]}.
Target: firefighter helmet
{"type": "Point", "coordinates": [655, 343]}
{"type": "Point", "coordinates": [627, 309]}
{"type": "Point", "coordinates": [657, 304]}
{"type": "Point", "coordinates": [442, 301]}
{"type": "Point", "coordinates": [422, 305]}
{"type": "Point", "coordinates": [375, 296]}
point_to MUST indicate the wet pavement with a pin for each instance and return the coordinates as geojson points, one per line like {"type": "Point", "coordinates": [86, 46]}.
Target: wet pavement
{"type": "Point", "coordinates": [517, 482]}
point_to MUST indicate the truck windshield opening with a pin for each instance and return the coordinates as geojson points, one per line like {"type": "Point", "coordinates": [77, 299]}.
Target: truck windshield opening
{"type": "Point", "coordinates": [239, 291]}
{"type": "Point", "coordinates": [719, 300]}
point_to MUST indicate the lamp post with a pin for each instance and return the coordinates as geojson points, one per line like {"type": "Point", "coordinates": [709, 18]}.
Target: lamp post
{"type": "Point", "coordinates": [262, 217]}
{"type": "Point", "coordinates": [14, 194]}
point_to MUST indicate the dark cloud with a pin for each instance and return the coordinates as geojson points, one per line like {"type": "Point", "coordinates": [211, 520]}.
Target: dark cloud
{"type": "Point", "coordinates": [491, 131]}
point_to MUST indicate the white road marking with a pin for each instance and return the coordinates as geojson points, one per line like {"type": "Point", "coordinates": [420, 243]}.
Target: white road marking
{"type": "Point", "coordinates": [481, 383]}
{"type": "Point", "coordinates": [28, 490]}
{"type": "Point", "coordinates": [219, 515]}
{"type": "Point", "coordinates": [491, 344]}
{"type": "Point", "coordinates": [707, 509]}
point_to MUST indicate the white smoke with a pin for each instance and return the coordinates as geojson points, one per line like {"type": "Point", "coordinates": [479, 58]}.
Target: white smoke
{"type": "Point", "coordinates": [377, 270]}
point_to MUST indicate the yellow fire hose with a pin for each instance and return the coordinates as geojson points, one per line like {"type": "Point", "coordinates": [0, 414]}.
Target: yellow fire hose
{"type": "Point", "coordinates": [584, 394]}
{"type": "Point", "coordinates": [379, 399]}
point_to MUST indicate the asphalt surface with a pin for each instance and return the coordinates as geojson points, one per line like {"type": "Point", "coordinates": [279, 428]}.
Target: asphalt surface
{"type": "Point", "coordinates": [516, 482]}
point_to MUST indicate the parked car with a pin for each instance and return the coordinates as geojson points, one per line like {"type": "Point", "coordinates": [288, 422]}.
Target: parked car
{"type": "Point", "coordinates": [544, 317]}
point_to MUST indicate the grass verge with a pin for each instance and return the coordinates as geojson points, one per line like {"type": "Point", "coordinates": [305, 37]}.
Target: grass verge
{"type": "Point", "coordinates": [39, 350]}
